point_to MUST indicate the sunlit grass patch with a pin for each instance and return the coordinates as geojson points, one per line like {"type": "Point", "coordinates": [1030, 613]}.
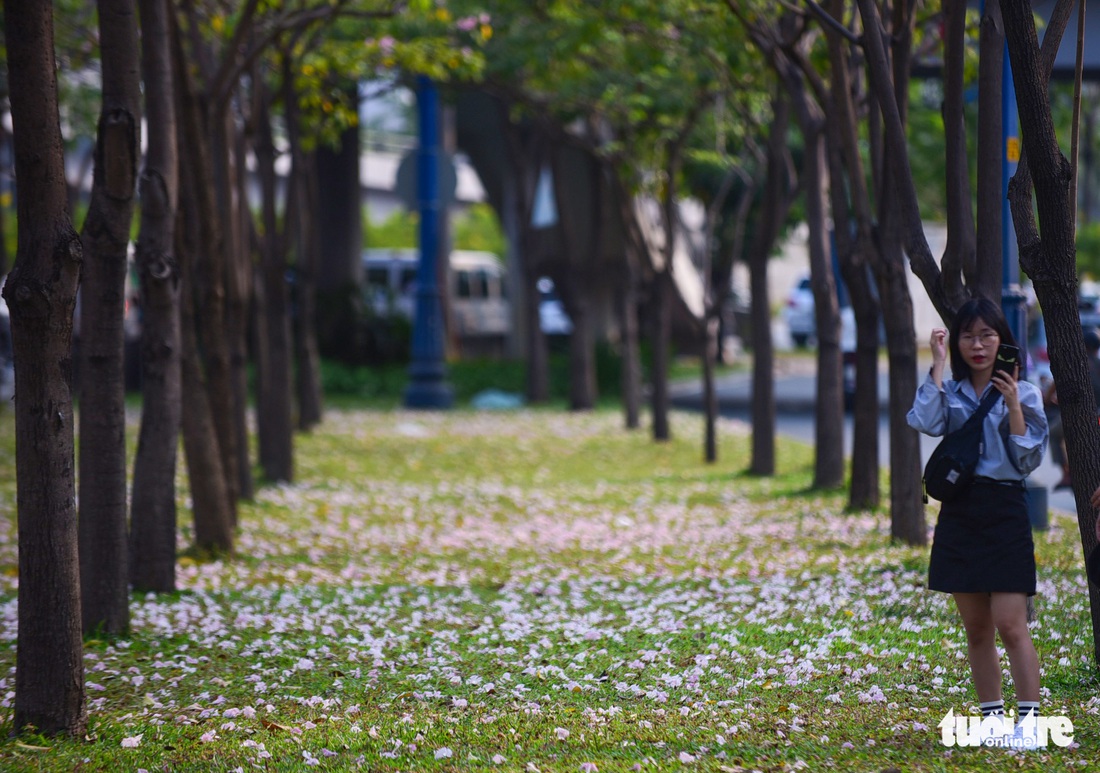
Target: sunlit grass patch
{"type": "Point", "coordinates": [468, 590]}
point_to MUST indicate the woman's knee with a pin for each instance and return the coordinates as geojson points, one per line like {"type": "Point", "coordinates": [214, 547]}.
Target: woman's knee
{"type": "Point", "coordinates": [1014, 633]}
{"type": "Point", "coordinates": [980, 633]}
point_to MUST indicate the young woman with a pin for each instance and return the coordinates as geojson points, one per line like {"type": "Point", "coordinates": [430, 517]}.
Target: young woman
{"type": "Point", "coordinates": [982, 550]}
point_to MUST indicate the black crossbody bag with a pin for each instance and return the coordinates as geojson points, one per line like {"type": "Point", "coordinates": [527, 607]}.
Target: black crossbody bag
{"type": "Point", "coordinates": [951, 466]}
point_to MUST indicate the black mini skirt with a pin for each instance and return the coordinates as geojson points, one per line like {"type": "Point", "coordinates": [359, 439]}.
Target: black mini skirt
{"type": "Point", "coordinates": [983, 543]}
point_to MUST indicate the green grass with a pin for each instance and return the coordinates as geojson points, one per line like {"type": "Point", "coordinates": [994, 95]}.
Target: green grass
{"type": "Point", "coordinates": [540, 590]}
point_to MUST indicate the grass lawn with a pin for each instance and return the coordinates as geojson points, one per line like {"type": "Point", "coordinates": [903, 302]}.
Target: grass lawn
{"type": "Point", "coordinates": [543, 591]}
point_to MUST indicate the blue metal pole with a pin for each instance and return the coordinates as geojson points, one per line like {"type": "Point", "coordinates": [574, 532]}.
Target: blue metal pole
{"type": "Point", "coordinates": [428, 387]}
{"type": "Point", "coordinates": [1013, 299]}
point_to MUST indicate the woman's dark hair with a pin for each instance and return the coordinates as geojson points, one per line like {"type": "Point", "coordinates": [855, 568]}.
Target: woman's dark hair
{"type": "Point", "coordinates": [975, 309]}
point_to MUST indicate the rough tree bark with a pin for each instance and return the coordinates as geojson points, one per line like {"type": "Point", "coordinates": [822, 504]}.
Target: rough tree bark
{"type": "Point", "coordinates": [307, 248]}
{"type": "Point", "coordinates": [634, 259]}
{"type": "Point", "coordinates": [41, 294]}
{"type": "Point", "coordinates": [1050, 259]}
{"type": "Point", "coordinates": [829, 400]}
{"type": "Point", "coordinates": [104, 552]}
{"type": "Point", "coordinates": [784, 44]}
{"type": "Point", "coordinates": [153, 500]}
{"type": "Point", "coordinates": [212, 508]}
{"type": "Point", "coordinates": [778, 188]}
{"type": "Point", "coordinates": [990, 155]}
{"type": "Point", "coordinates": [850, 202]}
{"type": "Point", "coordinates": [900, 235]}
{"type": "Point", "coordinates": [276, 430]}
{"type": "Point", "coordinates": [577, 195]}
{"type": "Point", "coordinates": [525, 149]}
{"type": "Point", "coordinates": [340, 225]}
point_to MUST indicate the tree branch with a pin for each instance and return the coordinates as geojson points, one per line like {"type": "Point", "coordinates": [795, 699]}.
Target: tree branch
{"type": "Point", "coordinates": [832, 23]}
{"type": "Point", "coordinates": [916, 243]}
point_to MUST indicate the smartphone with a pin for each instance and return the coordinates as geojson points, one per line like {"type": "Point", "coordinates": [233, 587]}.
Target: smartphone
{"type": "Point", "coordinates": [1008, 359]}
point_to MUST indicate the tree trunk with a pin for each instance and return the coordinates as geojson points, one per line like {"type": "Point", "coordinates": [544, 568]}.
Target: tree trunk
{"type": "Point", "coordinates": [538, 353]}
{"type": "Point", "coordinates": [104, 558]}
{"type": "Point", "coordinates": [660, 330]}
{"type": "Point", "coordinates": [238, 307]}
{"type": "Point", "coordinates": [852, 208]}
{"type": "Point", "coordinates": [526, 155]}
{"type": "Point", "coordinates": [990, 183]}
{"type": "Point", "coordinates": [153, 501]}
{"type": "Point", "coordinates": [582, 355]}
{"type": "Point", "coordinates": [908, 522]}
{"type": "Point", "coordinates": [901, 235]}
{"type": "Point", "coordinates": [776, 203]}
{"type": "Point", "coordinates": [829, 401]}
{"type": "Point", "coordinates": [1050, 261]}
{"type": "Point", "coordinates": [200, 236]}
{"type": "Point", "coordinates": [631, 356]}
{"type": "Point", "coordinates": [960, 255]}
{"type": "Point", "coordinates": [307, 355]}
{"type": "Point", "coordinates": [577, 195]}
{"type": "Point", "coordinates": [716, 291]}
{"type": "Point", "coordinates": [209, 497]}
{"type": "Point", "coordinates": [829, 405]}
{"type": "Point", "coordinates": [260, 353]}
{"type": "Point", "coordinates": [221, 321]}
{"type": "Point", "coordinates": [277, 427]}
{"type": "Point", "coordinates": [210, 502]}
{"type": "Point", "coordinates": [6, 172]}
{"type": "Point", "coordinates": [710, 395]}
{"type": "Point", "coordinates": [339, 224]}
{"type": "Point", "coordinates": [41, 294]}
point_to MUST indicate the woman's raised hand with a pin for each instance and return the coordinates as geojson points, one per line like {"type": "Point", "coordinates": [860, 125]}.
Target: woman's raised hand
{"type": "Point", "coordinates": [938, 344]}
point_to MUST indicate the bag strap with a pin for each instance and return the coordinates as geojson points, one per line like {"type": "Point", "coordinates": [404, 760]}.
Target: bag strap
{"type": "Point", "coordinates": [983, 408]}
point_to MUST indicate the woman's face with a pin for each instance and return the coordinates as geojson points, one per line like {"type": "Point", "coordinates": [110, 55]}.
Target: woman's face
{"type": "Point", "coordinates": [978, 346]}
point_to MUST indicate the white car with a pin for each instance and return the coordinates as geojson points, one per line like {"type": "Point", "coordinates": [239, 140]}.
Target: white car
{"type": "Point", "coordinates": [799, 315]}
{"type": "Point", "coordinates": [799, 312]}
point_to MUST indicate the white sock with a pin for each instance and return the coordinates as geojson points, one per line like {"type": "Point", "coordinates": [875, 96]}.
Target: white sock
{"type": "Point", "coordinates": [1027, 707]}
{"type": "Point", "coordinates": [992, 708]}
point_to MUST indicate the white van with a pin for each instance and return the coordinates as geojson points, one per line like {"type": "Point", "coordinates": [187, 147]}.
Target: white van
{"type": "Point", "coordinates": [475, 289]}
{"type": "Point", "coordinates": [479, 299]}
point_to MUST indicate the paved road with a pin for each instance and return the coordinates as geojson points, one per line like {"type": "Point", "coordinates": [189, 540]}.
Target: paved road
{"type": "Point", "coordinates": [794, 394]}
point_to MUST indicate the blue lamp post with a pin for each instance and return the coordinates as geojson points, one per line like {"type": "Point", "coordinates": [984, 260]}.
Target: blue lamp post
{"type": "Point", "coordinates": [428, 387]}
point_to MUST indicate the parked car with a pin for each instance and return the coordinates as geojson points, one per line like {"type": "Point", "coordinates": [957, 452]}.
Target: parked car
{"type": "Point", "coordinates": [798, 312]}
{"type": "Point", "coordinates": [799, 316]}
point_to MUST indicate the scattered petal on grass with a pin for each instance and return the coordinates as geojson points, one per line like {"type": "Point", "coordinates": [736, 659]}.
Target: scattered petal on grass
{"type": "Point", "coordinates": [458, 602]}
{"type": "Point", "coordinates": [132, 742]}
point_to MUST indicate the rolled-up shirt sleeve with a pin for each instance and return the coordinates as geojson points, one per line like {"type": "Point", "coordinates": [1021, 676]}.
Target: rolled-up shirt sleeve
{"type": "Point", "coordinates": [1026, 451]}
{"type": "Point", "coordinates": [929, 411]}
